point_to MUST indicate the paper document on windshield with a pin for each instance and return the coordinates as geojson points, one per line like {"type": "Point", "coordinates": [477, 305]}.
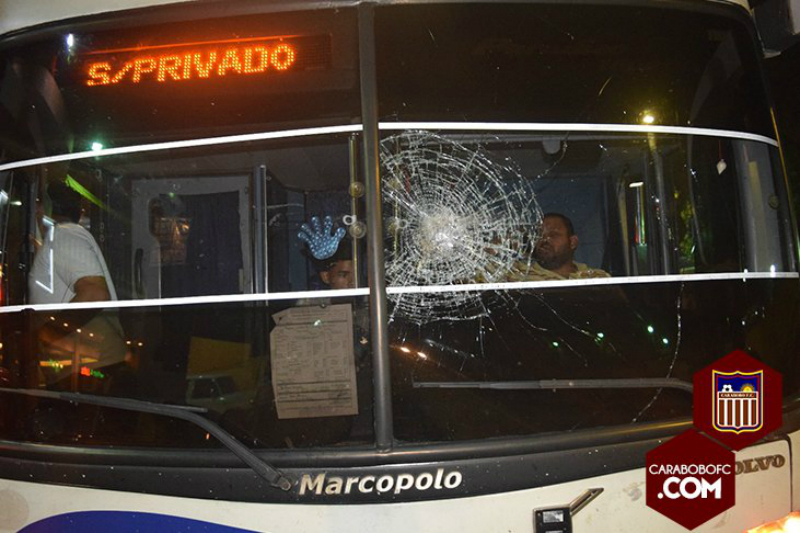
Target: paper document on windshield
{"type": "Point", "coordinates": [313, 365]}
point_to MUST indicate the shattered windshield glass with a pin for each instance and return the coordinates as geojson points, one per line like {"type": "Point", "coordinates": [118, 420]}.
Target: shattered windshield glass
{"type": "Point", "coordinates": [575, 256]}
{"type": "Point", "coordinates": [456, 217]}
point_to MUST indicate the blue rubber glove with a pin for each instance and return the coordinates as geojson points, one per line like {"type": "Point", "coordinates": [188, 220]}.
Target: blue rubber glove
{"type": "Point", "coordinates": [321, 241]}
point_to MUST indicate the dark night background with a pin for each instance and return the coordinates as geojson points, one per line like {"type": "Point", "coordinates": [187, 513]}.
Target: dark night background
{"type": "Point", "coordinates": [783, 72]}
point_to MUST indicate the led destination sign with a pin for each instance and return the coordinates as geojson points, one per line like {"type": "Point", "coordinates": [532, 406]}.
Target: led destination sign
{"type": "Point", "coordinates": [187, 62]}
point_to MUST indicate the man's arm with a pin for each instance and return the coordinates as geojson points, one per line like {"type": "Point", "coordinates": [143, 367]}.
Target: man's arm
{"type": "Point", "coordinates": [77, 264]}
{"type": "Point", "coordinates": [87, 289]}
{"type": "Point", "coordinates": [91, 289]}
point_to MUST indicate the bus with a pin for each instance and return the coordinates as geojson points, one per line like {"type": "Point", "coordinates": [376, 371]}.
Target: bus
{"type": "Point", "coordinates": [394, 266]}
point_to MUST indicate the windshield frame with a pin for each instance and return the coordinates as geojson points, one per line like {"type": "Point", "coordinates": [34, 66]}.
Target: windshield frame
{"type": "Point", "coordinates": [385, 441]}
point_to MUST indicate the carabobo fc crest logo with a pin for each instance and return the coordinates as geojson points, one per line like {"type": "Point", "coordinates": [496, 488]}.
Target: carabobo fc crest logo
{"type": "Point", "coordinates": [738, 401]}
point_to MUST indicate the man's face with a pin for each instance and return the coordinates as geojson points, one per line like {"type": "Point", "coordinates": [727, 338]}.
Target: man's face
{"type": "Point", "coordinates": [556, 247]}
{"type": "Point", "coordinates": [339, 276]}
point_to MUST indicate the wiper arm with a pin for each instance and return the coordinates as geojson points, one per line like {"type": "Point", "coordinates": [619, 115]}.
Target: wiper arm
{"type": "Point", "coordinates": [189, 414]}
{"type": "Point", "coordinates": [550, 384]}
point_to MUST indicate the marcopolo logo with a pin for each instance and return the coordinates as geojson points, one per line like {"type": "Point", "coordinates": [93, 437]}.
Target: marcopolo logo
{"type": "Point", "coordinates": [690, 479]}
{"type": "Point", "coordinates": [388, 483]}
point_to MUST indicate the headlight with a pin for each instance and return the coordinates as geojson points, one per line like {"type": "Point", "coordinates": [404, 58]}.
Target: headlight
{"type": "Point", "coordinates": [788, 524]}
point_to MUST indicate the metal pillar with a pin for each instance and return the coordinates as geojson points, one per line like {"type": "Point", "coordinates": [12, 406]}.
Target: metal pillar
{"type": "Point", "coordinates": [375, 267]}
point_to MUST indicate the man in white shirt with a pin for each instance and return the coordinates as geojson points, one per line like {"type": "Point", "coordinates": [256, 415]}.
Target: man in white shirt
{"type": "Point", "coordinates": [68, 268]}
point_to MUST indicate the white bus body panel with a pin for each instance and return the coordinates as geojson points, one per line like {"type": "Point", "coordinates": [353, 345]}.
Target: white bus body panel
{"type": "Point", "coordinates": [761, 496]}
{"type": "Point", "coordinates": [17, 14]}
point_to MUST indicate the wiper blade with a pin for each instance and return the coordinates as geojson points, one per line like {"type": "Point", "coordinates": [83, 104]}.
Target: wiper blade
{"type": "Point", "coordinates": [551, 384]}
{"type": "Point", "coordinates": [189, 414]}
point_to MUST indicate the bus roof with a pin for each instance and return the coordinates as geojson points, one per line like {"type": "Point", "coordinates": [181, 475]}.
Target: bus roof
{"type": "Point", "coordinates": [16, 15]}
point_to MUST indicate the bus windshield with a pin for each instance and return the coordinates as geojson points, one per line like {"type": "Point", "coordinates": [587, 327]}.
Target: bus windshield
{"type": "Point", "coordinates": [183, 220]}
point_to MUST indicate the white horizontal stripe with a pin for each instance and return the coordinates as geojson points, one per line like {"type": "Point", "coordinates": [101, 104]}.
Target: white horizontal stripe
{"type": "Point", "coordinates": [230, 139]}
{"type": "Point", "coordinates": [421, 289]}
{"type": "Point", "coordinates": [516, 285]}
{"type": "Point", "coordinates": [191, 300]}
{"type": "Point", "coordinates": [530, 127]}
{"type": "Point", "coordinates": [533, 127]}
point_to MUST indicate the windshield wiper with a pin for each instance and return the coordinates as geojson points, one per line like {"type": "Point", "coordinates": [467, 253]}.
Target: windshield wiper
{"type": "Point", "coordinates": [189, 414]}
{"type": "Point", "coordinates": [551, 384]}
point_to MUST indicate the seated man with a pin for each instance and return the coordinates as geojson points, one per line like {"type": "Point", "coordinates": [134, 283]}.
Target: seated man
{"type": "Point", "coordinates": [337, 271]}
{"type": "Point", "coordinates": [346, 369]}
{"type": "Point", "coordinates": [69, 268]}
{"type": "Point", "coordinates": [555, 251]}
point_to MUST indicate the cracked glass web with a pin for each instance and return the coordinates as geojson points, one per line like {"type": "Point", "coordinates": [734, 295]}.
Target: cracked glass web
{"type": "Point", "coordinates": [454, 215]}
